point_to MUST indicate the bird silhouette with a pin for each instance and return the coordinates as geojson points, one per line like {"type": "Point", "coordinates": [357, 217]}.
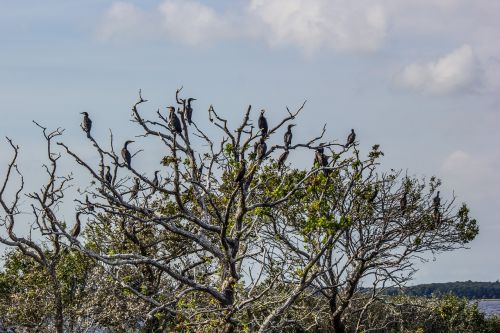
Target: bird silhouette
{"type": "Point", "coordinates": [108, 177]}
{"type": "Point", "coordinates": [135, 189]}
{"type": "Point", "coordinates": [175, 123]}
{"type": "Point", "coordinates": [156, 180]}
{"type": "Point", "coordinates": [75, 231]}
{"type": "Point", "coordinates": [86, 123]}
{"type": "Point", "coordinates": [90, 206]}
{"type": "Point", "coordinates": [261, 150]}
{"type": "Point", "coordinates": [263, 123]}
{"type": "Point", "coordinates": [241, 172]}
{"type": "Point", "coordinates": [127, 157]}
{"type": "Point", "coordinates": [437, 201]}
{"type": "Point", "coordinates": [189, 110]}
{"type": "Point", "coordinates": [288, 136]}
{"type": "Point", "coordinates": [321, 160]}
{"type": "Point", "coordinates": [282, 159]}
{"type": "Point", "coordinates": [350, 138]}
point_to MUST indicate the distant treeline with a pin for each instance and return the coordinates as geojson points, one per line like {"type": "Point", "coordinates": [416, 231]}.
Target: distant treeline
{"type": "Point", "coordinates": [468, 289]}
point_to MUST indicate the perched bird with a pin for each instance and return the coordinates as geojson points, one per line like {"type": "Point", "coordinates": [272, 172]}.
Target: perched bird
{"type": "Point", "coordinates": [282, 159]}
{"type": "Point", "coordinates": [75, 231]}
{"type": "Point", "coordinates": [402, 203]}
{"type": "Point", "coordinates": [241, 172]}
{"type": "Point", "coordinates": [288, 136]}
{"type": "Point", "coordinates": [135, 189]}
{"type": "Point", "coordinates": [175, 123]}
{"type": "Point", "coordinates": [127, 157]}
{"type": "Point", "coordinates": [263, 123]}
{"type": "Point", "coordinates": [90, 206]}
{"type": "Point", "coordinates": [350, 138]}
{"type": "Point", "coordinates": [261, 150]}
{"type": "Point", "coordinates": [321, 160]}
{"type": "Point", "coordinates": [108, 177]}
{"type": "Point", "coordinates": [189, 110]}
{"type": "Point", "coordinates": [86, 123]}
{"type": "Point", "coordinates": [436, 205]}
{"type": "Point", "coordinates": [156, 180]}
{"type": "Point", "coordinates": [437, 202]}
{"type": "Point", "coordinates": [373, 195]}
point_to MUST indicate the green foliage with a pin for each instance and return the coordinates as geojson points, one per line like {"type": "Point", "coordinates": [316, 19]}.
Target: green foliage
{"type": "Point", "coordinates": [468, 289]}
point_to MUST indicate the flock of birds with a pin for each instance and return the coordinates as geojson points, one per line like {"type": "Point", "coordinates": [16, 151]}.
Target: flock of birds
{"type": "Point", "coordinates": [260, 150]}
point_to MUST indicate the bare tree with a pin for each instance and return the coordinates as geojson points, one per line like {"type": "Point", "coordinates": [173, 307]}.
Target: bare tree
{"type": "Point", "coordinates": [44, 205]}
{"type": "Point", "coordinates": [225, 235]}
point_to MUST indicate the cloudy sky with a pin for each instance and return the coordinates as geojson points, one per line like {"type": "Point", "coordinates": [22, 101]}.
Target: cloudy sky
{"type": "Point", "coordinates": [419, 77]}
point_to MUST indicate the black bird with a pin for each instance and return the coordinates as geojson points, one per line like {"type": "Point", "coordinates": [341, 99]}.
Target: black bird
{"type": "Point", "coordinates": [373, 195]}
{"type": "Point", "coordinates": [86, 123]}
{"type": "Point", "coordinates": [135, 188]}
{"type": "Point", "coordinates": [263, 123]}
{"type": "Point", "coordinates": [175, 123]}
{"type": "Point", "coordinates": [350, 138]}
{"type": "Point", "coordinates": [156, 181]}
{"type": "Point", "coordinates": [261, 150]}
{"type": "Point", "coordinates": [75, 231]}
{"type": "Point", "coordinates": [282, 159]}
{"type": "Point", "coordinates": [437, 202]}
{"type": "Point", "coordinates": [108, 177]}
{"type": "Point", "coordinates": [90, 206]}
{"type": "Point", "coordinates": [189, 110]}
{"type": "Point", "coordinates": [241, 172]}
{"type": "Point", "coordinates": [321, 159]}
{"type": "Point", "coordinates": [402, 203]}
{"type": "Point", "coordinates": [127, 157]}
{"type": "Point", "coordinates": [288, 136]}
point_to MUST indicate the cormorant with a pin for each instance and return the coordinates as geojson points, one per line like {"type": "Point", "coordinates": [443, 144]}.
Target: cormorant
{"type": "Point", "coordinates": [402, 203]}
{"type": "Point", "coordinates": [373, 195]}
{"type": "Point", "coordinates": [108, 177]}
{"type": "Point", "coordinates": [175, 123]}
{"type": "Point", "coordinates": [263, 123]}
{"type": "Point", "coordinates": [135, 188]}
{"type": "Point", "coordinates": [437, 202]}
{"type": "Point", "coordinates": [288, 136]}
{"type": "Point", "coordinates": [321, 159]}
{"type": "Point", "coordinates": [282, 159]}
{"type": "Point", "coordinates": [75, 231]}
{"type": "Point", "coordinates": [261, 150]}
{"type": "Point", "coordinates": [86, 123]}
{"type": "Point", "coordinates": [189, 110]}
{"type": "Point", "coordinates": [90, 206]}
{"type": "Point", "coordinates": [350, 138]}
{"type": "Point", "coordinates": [156, 181]}
{"type": "Point", "coordinates": [127, 157]}
{"type": "Point", "coordinates": [241, 172]}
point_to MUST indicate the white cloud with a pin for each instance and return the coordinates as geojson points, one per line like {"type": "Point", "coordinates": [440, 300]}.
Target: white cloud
{"type": "Point", "coordinates": [122, 19]}
{"type": "Point", "coordinates": [456, 72]}
{"type": "Point", "coordinates": [193, 23]}
{"type": "Point", "coordinates": [315, 24]}
{"type": "Point", "coordinates": [306, 24]}
{"type": "Point", "coordinates": [185, 21]}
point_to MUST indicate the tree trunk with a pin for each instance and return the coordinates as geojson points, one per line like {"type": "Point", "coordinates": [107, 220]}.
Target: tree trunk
{"type": "Point", "coordinates": [338, 325]}
{"type": "Point", "coordinates": [336, 316]}
{"type": "Point", "coordinates": [58, 305]}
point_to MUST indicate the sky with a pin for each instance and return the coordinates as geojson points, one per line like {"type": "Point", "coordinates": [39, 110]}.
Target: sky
{"type": "Point", "coordinates": [419, 77]}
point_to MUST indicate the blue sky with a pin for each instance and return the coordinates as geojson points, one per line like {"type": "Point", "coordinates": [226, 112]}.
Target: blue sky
{"type": "Point", "coordinates": [419, 77]}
